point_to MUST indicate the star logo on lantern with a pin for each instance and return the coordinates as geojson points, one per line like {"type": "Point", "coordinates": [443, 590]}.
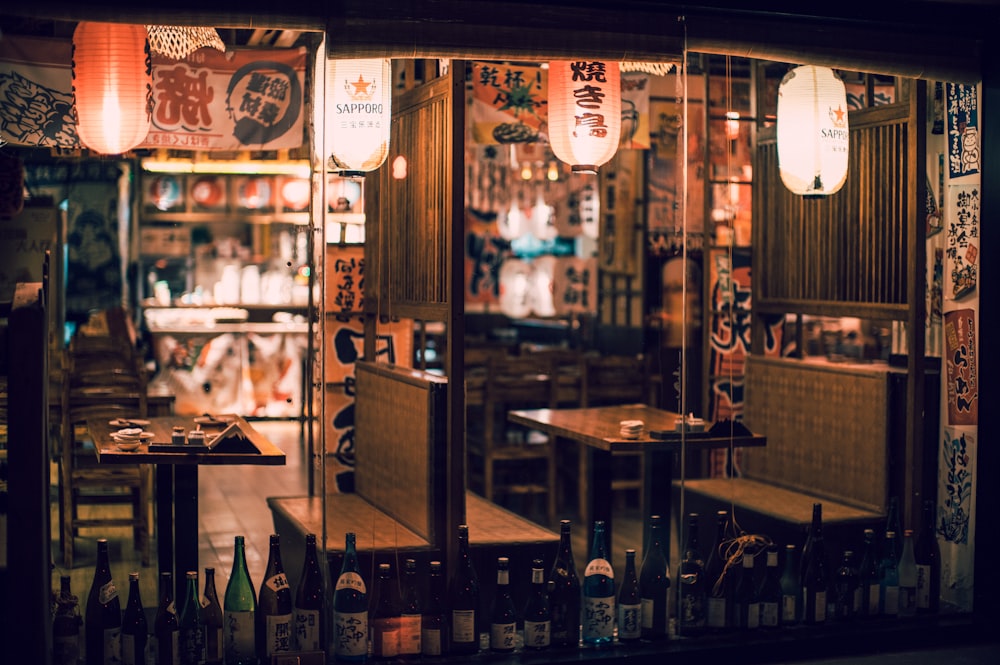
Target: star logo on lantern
{"type": "Point", "coordinates": [360, 90]}
{"type": "Point", "coordinates": [838, 116]}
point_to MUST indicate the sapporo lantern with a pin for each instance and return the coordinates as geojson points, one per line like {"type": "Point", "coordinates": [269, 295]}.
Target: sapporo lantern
{"type": "Point", "coordinates": [358, 114]}
{"type": "Point", "coordinates": [585, 112]}
{"type": "Point", "coordinates": [813, 135]}
{"type": "Point", "coordinates": [112, 85]}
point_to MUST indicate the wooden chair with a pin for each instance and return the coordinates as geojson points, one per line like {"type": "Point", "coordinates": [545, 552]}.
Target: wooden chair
{"type": "Point", "coordinates": [101, 380]}
{"type": "Point", "coordinates": [612, 379]}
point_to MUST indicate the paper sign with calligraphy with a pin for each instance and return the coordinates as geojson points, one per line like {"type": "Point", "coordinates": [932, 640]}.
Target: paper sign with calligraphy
{"type": "Point", "coordinates": [962, 367]}
{"type": "Point", "coordinates": [963, 130]}
{"type": "Point", "coordinates": [962, 241]}
{"type": "Point", "coordinates": [509, 102]}
{"type": "Point", "coordinates": [238, 100]}
{"type": "Point", "coordinates": [36, 93]}
{"type": "Point", "coordinates": [574, 286]}
{"type": "Point", "coordinates": [345, 279]}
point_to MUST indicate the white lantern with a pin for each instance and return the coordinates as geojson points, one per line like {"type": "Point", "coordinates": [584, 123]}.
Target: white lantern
{"type": "Point", "coordinates": [813, 135]}
{"type": "Point", "coordinates": [515, 288]}
{"type": "Point", "coordinates": [358, 114]}
{"type": "Point", "coordinates": [585, 112]}
{"type": "Point", "coordinates": [112, 85]}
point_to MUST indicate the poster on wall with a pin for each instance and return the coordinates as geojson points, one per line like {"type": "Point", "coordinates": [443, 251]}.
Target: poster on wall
{"type": "Point", "coordinates": [244, 99]}
{"type": "Point", "coordinates": [509, 102]}
{"type": "Point", "coordinates": [962, 241]}
{"type": "Point", "coordinates": [635, 111]}
{"type": "Point", "coordinates": [956, 514]}
{"type": "Point", "coordinates": [345, 279]}
{"type": "Point", "coordinates": [24, 240]}
{"type": "Point", "coordinates": [963, 130]}
{"type": "Point", "coordinates": [485, 251]}
{"type": "Point", "coordinates": [962, 367]}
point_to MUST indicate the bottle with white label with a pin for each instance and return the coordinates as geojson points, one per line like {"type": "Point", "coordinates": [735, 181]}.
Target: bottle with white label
{"type": "Point", "coordinates": [385, 615]}
{"type": "Point", "coordinates": [350, 609]}
{"type": "Point", "coordinates": [463, 599]}
{"type": "Point", "coordinates": [791, 589]}
{"type": "Point", "coordinates": [537, 611]}
{"type": "Point", "coordinates": [598, 592]}
{"type": "Point", "coordinates": [747, 597]}
{"type": "Point", "coordinates": [869, 579]}
{"type": "Point", "coordinates": [654, 584]}
{"type": "Point", "coordinates": [410, 616]}
{"type": "Point", "coordinates": [308, 620]}
{"type": "Point", "coordinates": [889, 577]}
{"type": "Point", "coordinates": [240, 609]}
{"type": "Point", "coordinates": [434, 620]}
{"type": "Point", "coordinates": [629, 602]}
{"type": "Point", "coordinates": [274, 607]}
{"type": "Point", "coordinates": [770, 592]}
{"type": "Point", "coordinates": [907, 577]}
{"type": "Point", "coordinates": [503, 617]}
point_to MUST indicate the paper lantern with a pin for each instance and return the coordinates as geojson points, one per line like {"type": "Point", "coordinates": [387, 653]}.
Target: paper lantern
{"type": "Point", "coordinates": [585, 112]}
{"type": "Point", "coordinates": [515, 288]}
{"type": "Point", "coordinates": [112, 85]}
{"type": "Point", "coordinates": [358, 114]}
{"type": "Point", "coordinates": [813, 136]}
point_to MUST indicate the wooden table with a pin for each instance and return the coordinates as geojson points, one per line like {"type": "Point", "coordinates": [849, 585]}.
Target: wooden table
{"type": "Point", "coordinates": [177, 481]}
{"type": "Point", "coordinates": [598, 428]}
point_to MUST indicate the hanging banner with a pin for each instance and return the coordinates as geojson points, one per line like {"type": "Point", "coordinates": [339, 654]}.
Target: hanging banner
{"type": "Point", "coordinates": [509, 102]}
{"type": "Point", "coordinates": [635, 111]}
{"type": "Point", "coordinates": [963, 130]}
{"type": "Point", "coordinates": [962, 367]}
{"type": "Point", "coordinates": [36, 93]}
{"type": "Point", "coordinates": [244, 99]}
{"type": "Point", "coordinates": [962, 241]}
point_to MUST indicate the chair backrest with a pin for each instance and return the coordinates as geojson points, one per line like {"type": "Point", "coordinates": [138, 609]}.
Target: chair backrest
{"type": "Point", "coordinates": [614, 379]}
{"type": "Point", "coordinates": [523, 380]}
{"type": "Point", "coordinates": [476, 362]}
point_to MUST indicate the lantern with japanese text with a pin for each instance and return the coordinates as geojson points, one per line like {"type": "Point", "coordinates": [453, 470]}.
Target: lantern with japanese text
{"type": "Point", "coordinates": [112, 85]}
{"type": "Point", "coordinates": [585, 112]}
{"type": "Point", "coordinates": [358, 114]}
{"type": "Point", "coordinates": [813, 136]}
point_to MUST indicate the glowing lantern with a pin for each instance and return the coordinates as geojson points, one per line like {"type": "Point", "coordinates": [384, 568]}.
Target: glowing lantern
{"type": "Point", "coordinates": [515, 288]}
{"type": "Point", "coordinates": [112, 85]}
{"type": "Point", "coordinates": [813, 136]}
{"type": "Point", "coordinates": [358, 114]}
{"type": "Point", "coordinates": [585, 112]}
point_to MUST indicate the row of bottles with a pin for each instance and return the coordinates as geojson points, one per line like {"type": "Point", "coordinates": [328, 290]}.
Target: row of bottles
{"type": "Point", "coordinates": [728, 591]}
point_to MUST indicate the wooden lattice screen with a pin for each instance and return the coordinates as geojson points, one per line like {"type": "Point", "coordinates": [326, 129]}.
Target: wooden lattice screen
{"type": "Point", "coordinates": [850, 254]}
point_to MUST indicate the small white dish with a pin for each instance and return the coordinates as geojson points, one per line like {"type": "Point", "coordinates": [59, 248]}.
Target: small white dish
{"type": "Point", "coordinates": [141, 436]}
{"type": "Point", "coordinates": [128, 446]}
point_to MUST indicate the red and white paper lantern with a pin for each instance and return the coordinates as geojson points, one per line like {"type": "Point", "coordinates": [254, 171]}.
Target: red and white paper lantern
{"type": "Point", "coordinates": [358, 114]}
{"type": "Point", "coordinates": [585, 112]}
{"type": "Point", "coordinates": [112, 85]}
{"type": "Point", "coordinates": [812, 129]}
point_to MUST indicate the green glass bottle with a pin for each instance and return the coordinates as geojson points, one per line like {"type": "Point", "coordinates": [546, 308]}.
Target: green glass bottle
{"type": "Point", "coordinates": [211, 611]}
{"type": "Point", "coordinates": [629, 602]}
{"type": "Point", "coordinates": [598, 592]}
{"type": "Point", "coordinates": [654, 584]}
{"type": "Point", "coordinates": [192, 625]}
{"type": "Point", "coordinates": [350, 609]}
{"type": "Point", "coordinates": [166, 645]}
{"type": "Point", "coordinates": [240, 609]}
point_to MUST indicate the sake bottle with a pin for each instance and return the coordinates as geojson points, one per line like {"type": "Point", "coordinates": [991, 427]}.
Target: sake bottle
{"type": "Point", "coordinates": [103, 619]}
{"type": "Point", "coordinates": [770, 593]}
{"type": "Point", "coordinates": [211, 612]}
{"type": "Point", "coordinates": [240, 610]}
{"type": "Point", "coordinates": [564, 592]}
{"type": "Point", "coordinates": [869, 580]}
{"type": "Point", "coordinates": [274, 607]}
{"type": "Point", "coordinates": [308, 619]}
{"type": "Point", "coordinates": [889, 577]}
{"type": "Point", "coordinates": [816, 579]}
{"type": "Point", "coordinates": [503, 616]}
{"type": "Point", "coordinates": [716, 611]}
{"type": "Point", "coordinates": [537, 612]}
{"type": "Point", "coordinates": [598, 592]}
{"type": "Point", "coordinates": [629, 602]}
{"type": "Point", "coordinates": [385, 615]}
{"type": "Point", "coordinates": [791, 589]}
{"type": "Point", "coordinates": [410, 614]}
{"type": "Point", "coordinates": [434, 625]}
{"type": "Point", "coordinates": [907, 577]}
{"type": "Point", "coordinates": [166, 632]}
{"type": "Point", "coordinates": [691, 584]}
{"type": "Point", "coordinates": [847, 590]}
{"type": "Point", "coordinates": [135, 629]}
{"type": "Point", "coordinates": [463, 599]}
{"type": "Point", "coordinates": [927, 553]}
{"type": "Point", "coordinates": [192, 625]}
{"type": "Point", "coordinates": [654, 584]}
{"type": "Point", "coordinates": [747, 597]}
{"type": "Point", "coordinates": [350, 608]}
{"type": "Point", "coordinates": [66, 624]}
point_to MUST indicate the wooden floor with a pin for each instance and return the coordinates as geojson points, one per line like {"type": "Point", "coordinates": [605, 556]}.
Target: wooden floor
{"type": "Point", "coordinates": [232, 501]}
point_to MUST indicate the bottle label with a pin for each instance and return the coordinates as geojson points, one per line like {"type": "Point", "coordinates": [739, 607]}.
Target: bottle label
{"type": "Point", "coordinates": [716, 612]}
{"type": "Point", "coordinates": [278, 632]}
{"type": "Point", "coordinates": [352, 581]}
{"type": "Point", "coordinates": [128, 650]}
{"type": "Point", "coordinates": [463, 626]}
{"type": "Point", "coordinates": [599, 617]}
{"type": "Point", "coordinates": [819, 610]}
{"type": "Point", "coordinates": [409, 634]}
{"type": "Point", "coordinates": [907, 599]}
{"type": "Point", "coordinates": [239, 637]}
{"type": "Point", "coordinates": [874, 598]}
{"type": "Point", "coordinates": [385, 637]}
{"type": "Point", "coordinates": [856, 600]}
{"type": "Point", "coordinates": [537, 634]}
{"type": "Point", "coordinates": [430, 641]}
{"type": "Point", "coordinates": [107, 592]}
{"type": "Point", "coordinates": [789, 609]}
{"type": "Point", "coordinates": [351, 633]}
{"type": "Point", "coordinates": [599, 567]}
{"type": "Point", "coordinates": [65, 649]}
{"type": "Point", "coordinates": [923, 587]}
{"type": "Point", "coordinates": [629, 622]}
{"type": "Point", "coordinates": [769, 615]}
{"type": "Point", "coordinates": [112, 645]}
{"type": "Point", "coordinates": [891, 605]}
{"type": "Point", "coordinates": [192, 642]}
{"type": "Point", "coordinates": [502, 636]}
{"type": "Point", "coordinates": [277, 582]}
{"type": "Point", "coordinates": [307, 625]}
